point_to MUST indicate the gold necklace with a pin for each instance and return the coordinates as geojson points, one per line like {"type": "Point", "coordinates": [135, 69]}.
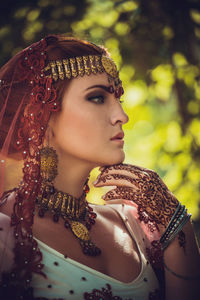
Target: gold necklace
{"type": "Point", "coordinates": [76, 213]}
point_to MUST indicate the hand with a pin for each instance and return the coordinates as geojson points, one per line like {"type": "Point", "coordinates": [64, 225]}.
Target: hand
{"type": "Point", "coordinates": [143, 187]}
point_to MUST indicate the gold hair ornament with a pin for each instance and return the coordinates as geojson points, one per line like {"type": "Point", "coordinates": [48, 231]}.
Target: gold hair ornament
{"type": "Point", "coordinates": [82, 65]}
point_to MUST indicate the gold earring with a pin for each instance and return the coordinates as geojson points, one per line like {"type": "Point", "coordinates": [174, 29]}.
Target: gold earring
{"type": "Point", "coordinates": [49, 161]}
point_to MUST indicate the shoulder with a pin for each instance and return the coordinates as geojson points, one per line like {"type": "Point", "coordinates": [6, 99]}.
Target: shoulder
{"type": "Point", "coordinates": [6, 232]}
{"type": "Point", "coordinates": [4, 219]}
{"type": "Point", "coordinates": [113, 211]}
{"type": "Point", "coordinates": [115, 214]}
{"type": "Point", "coordinates": [128, 213]}
{"type": "Point", "coordinates": [6, 244]}
{"type": "Point", "coordinates": [7, 202]}
{"type": "Point", "coordinates": [5, 226]}
{"type": "Point", "coordinates": [116, 209]}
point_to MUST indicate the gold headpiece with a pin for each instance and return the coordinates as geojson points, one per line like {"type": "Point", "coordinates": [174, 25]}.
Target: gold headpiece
{"type": "Point", "coordinates": [80, 66]}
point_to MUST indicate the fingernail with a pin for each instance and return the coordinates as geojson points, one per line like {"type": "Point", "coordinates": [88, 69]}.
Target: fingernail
{"type": "Point", "coordinates": [95, 182]}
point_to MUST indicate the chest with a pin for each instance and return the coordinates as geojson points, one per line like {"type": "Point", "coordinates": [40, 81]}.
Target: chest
{"type": "Point", "coordinates": [119, 257]}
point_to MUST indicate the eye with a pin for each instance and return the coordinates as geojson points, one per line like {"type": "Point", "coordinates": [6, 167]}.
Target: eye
{"type": "Point", "coordinates": [96, 99]}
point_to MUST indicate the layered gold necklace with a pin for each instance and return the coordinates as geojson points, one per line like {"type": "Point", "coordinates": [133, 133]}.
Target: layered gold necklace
{"type": "Point", "coordinates": [76, 213]}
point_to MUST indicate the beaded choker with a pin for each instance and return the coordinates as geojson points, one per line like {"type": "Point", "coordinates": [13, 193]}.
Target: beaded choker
{"type": "Point", "coordinates": [76, 213]}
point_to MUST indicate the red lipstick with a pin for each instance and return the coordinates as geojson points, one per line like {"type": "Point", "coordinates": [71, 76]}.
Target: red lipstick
{"type": "Point", "coordinates": [118, 136]}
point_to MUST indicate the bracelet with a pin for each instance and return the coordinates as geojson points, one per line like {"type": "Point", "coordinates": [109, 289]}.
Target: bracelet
{"type": "Point", "coordinates": [166, 243]}
{"type": "Point", "coordinates": [174, 222]}
{"type": "Point", "coordinates": [178, 220]}
{"type": "Point", "coordinates": [172, 235]}
{"type": "Point", "coordinates": [181, 276]}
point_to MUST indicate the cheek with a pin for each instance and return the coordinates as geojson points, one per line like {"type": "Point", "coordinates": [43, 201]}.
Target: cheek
{"type": "Point", "coordinates": [75, 129]}
{"type": "Point", "coordinates": [86, 135]}
{"type": "Point", "coordinates": [80, 124]}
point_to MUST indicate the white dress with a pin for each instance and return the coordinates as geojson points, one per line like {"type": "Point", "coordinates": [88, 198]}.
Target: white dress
{"type": "Point", "coordinates": [68, 279]}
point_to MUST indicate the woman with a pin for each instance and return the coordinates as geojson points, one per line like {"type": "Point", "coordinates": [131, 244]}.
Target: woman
{"type": "Point", "coordinates": [61, 112]}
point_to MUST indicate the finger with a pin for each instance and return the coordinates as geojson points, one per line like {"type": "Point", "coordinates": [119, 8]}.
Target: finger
{"type": "Point", "coordinates": [102, 169]}
{"type": "Point", "coordinates": [115, 201]}
{"type": "Point", "coordinates": [121, 192]}
{"type": "Point", "coordinates": [122, 202]}
{"type": "Point", "coordinates": [118, 167]}
{"type": "Point", "coordinates": [125, 193]}
{"type": "Point", "coordinates": [125, 169]}
{"type": "Point", "coordinates": [115, 180]}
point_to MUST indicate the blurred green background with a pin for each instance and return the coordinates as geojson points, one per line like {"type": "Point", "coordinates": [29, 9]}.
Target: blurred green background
{"type": "Point", "coordinates": [156, 45]}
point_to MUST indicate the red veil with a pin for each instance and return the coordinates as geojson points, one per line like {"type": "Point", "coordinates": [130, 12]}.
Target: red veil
{"type": "Point", "coordinates": [27, 99]}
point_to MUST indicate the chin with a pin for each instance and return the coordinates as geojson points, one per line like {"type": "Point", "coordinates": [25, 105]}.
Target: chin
{"type": "Point", "coordinates": [116, 159]}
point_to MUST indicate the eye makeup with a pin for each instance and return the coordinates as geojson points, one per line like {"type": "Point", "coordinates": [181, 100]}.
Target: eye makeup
{"type": "Point", "coordinates": [118, 91]}
{"type": "Point", "coordinates": [98, 98]}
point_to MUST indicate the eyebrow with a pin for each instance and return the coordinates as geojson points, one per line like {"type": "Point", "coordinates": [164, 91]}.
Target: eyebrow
{"type": "Point", "coordinates": [104, 87]}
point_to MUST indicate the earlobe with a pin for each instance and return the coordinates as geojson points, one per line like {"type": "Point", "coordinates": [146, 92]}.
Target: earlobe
{"type": "Point", "coordinates": [49, 135]}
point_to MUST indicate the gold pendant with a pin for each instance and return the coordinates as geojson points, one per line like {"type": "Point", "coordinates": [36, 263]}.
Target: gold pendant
{"type": "Point", "coordinates": [79, 230]}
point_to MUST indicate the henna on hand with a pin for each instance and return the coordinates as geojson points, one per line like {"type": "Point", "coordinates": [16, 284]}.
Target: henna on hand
{"type": "Point", "coordinates": [142, 186]}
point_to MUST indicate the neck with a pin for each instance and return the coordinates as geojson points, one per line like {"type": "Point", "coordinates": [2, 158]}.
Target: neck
{"type": "Point", "coordinates": [72, 175]}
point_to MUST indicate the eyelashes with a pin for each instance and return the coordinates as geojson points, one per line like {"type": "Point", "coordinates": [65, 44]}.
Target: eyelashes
{"type": "Point", "coordinates": [100, 99]}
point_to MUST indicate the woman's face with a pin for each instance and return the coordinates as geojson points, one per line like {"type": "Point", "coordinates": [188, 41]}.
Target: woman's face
{"type": "Point", "coordinates": [89, 120]}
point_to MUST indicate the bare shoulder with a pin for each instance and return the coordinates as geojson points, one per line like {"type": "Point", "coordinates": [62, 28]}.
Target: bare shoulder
{"type": "Point", "coordinates": [106, 212]}
{"type": "Point", "coordinates": [7, 204]}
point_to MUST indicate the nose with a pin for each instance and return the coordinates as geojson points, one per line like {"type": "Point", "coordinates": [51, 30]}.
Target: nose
{"type": "Point", "coordinates": [118, 115]}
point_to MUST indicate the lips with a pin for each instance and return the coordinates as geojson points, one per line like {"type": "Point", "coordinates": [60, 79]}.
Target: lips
{"type": "Point", "coordinates": [118, 136]}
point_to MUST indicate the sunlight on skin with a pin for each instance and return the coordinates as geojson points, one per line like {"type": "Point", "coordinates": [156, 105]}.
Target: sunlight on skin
{"type": "Point", "coordinates": [122, 240]}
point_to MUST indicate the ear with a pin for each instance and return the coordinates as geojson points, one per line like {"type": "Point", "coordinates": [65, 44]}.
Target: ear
{"type": "Point", "coordinates": [49, 135]}
{"type": "Point", "coordinates": [51, 125]}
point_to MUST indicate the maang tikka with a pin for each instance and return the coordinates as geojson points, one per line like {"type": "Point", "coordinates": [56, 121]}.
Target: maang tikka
{"type": "Point", "coordinates": [76, 213]}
